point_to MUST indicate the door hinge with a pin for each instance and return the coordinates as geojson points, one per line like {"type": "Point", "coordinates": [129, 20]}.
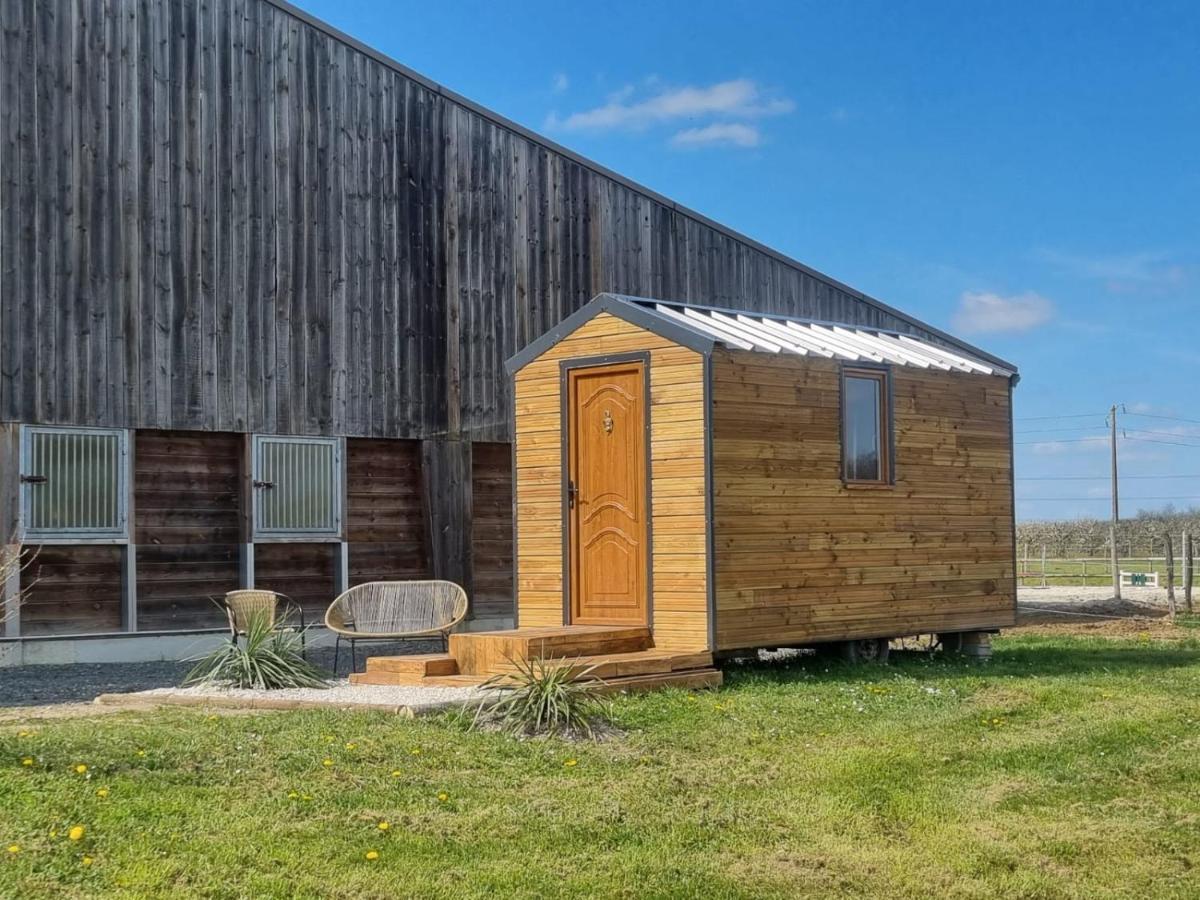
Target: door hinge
{"type": "Point", "coordinates": [572, 492]}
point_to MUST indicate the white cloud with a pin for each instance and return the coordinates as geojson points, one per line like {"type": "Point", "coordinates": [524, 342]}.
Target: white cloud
{"type": "Point", "coordinates": [560, 82]}
{"type": "Point", "coordinates": [740, 98]}
{"type": "Point", "coordinates": [982, 312]}
{"type": "Point", "coordinates": [718, 134]}
{"type": "Point", "coordinates": [1122, 272]}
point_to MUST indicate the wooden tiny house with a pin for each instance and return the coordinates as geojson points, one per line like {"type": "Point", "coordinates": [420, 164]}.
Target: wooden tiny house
{"type": "Point", "coordinates": [735, 480]}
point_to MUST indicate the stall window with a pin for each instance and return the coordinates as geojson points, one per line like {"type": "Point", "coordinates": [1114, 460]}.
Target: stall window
{"type": "Point", "coordinates": [297, 484]}
{"type": "Point", "coordinates": [866, 420]}
{"type": "Point", "coordinates": [74, 484]}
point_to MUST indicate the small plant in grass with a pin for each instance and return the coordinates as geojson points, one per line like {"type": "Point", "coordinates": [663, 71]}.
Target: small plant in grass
{"type": "Point", "coordinates": [544, 697]}
{"type": "Point", "coordinates": [264, 659]}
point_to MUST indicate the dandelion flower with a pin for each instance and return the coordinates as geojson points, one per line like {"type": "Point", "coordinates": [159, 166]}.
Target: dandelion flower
{"type": "Point", "coordinates": [327, 762]}
{"type": "Point", "coordinates": [80, 769]}
{"type": "Point", "coordinates": [27, 761]}
{"type": "Point", "coordinates": [443, 797]}
{"type": "Point", "coordinates": [350, 745]}
{"type": "Point", "coordinates": [396, 773]}
{"type": "Point", "coordinates": [141, 753]}
{"type": "Point", "coordinates": [306, 797]}
{"type": "Point", "coordinates": [293, 796]}
{"type": "Point", "coordinates": [87, 860]}
{"type": "Point", "coordinates": [384, 826]}
{"type": "Point", "coordinates": [372, 854]}
{"type": "Point", "coordinates": [14, 849]}
{"type": "Point", "coordinates": [415, 751]}
{"type": "Point", "coordinates": [102, 793]}
{"type": "Point", "coordinates": [76, 833]}
{"type": "Point", "coordinates": [24, 733]}
{"type": "Point", "coordinates": [571, 763]}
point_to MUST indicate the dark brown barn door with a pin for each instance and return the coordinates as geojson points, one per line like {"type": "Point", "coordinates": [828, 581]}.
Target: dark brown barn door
{"type": "Point", "coordinates": [607, 514]}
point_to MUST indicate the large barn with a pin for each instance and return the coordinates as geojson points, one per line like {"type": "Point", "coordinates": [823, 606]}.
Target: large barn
{"type": "Point", "coordinates": [258, 283]}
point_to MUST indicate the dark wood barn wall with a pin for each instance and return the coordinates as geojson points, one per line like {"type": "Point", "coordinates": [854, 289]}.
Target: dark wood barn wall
{"type": "Point", "coordinates": [215, 215]}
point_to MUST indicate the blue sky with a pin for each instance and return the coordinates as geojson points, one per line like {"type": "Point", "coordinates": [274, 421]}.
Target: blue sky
{"type": "Point", "coordinates": [1026, 175]}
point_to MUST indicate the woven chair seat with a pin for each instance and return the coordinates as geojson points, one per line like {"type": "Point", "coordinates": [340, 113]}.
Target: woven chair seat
{"type": "Point", "coordinates": [397, 609]}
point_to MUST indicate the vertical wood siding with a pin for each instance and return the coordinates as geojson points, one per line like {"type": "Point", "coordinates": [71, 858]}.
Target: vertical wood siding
{"type": "Point", "coordinates": [677, 448]}
{"type": "Point", "coordinates": [801, 557]}
{"type": "Point", "coordinates": [492, 530]}
{"type": "Point", "coordinates": [214, 215]}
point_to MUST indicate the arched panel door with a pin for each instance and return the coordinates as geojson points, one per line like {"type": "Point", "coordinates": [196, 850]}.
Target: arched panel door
{"type": "Point", "coordinates": [608, 519]}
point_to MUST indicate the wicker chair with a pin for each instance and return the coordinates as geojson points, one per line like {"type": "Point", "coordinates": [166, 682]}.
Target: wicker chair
{"type": "Point", "coordinates": [242, 606]}
{"type": "Point", "coordinates": [395, 611]}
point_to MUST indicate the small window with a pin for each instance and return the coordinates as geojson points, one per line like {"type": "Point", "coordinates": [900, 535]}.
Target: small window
{"type": "Point", "coordinates": [297, 487]}
{"type": "Point", "coordinates": [866, 442]}
{"type": "Point", "coordinates": [74, 484]}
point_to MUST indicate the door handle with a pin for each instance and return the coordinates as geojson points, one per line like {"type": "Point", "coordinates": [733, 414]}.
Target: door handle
{"type": "Point", "coordinates": [572, 492]}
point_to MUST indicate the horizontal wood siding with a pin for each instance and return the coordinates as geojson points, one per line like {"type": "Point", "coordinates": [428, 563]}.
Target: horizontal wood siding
{"type": "Point", "coordinates": [492, 530]}
{"type": "Point", "coordinates": [305, 572]}
{"type": "Point", "coordinates": [801, 557]}
{"type": "Point", "coordinates": [71, 590]}
{"type": "Point", "coordinates": [384, 521]}
{"type": "Point", "coordinates": [680, 617]}
{"type": "Point", "coordinates": [215, 215]}
{"type": "Point", "coordinates": [186, 526]}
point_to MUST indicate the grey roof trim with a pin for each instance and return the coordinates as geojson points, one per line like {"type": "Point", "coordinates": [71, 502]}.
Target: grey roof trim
{"type": "Point", "coordinates": [526, 133]}
{"type": "Point", "coordinates": [628, 308]}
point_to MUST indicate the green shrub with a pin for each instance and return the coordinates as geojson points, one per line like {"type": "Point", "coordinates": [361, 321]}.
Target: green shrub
{"type": "Point", "coordinates": [264, 659]}
{"type": "Point", "coordinates": [543, 697]}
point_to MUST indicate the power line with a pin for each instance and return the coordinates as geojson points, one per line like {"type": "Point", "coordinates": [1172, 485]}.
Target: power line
{"type": "Point", "coordinates": [1174, 434]}
{"type": "Point", "coordinates": [1053, 430]}
{"type": "Point", "coordinates": [1153, 441]}
{"type": "Point", "coordinates": [1165, 418]}
{"type": "Point", "coordinates": [1098, 415]}
{"type": "Point", "coordinates": [1093, 477]}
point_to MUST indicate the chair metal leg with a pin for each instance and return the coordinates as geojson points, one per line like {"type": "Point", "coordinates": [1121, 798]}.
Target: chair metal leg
{"type": "Point", "coordinates": [337, 646]}
{"type": "Point", "coordinates": [354, 656]}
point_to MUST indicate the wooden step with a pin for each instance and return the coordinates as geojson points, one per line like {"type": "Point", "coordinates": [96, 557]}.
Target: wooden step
{"type": "Point", "coordinates": [620, 665]}
{"type": "Point", "coordinates": [481, 653]}
{"type": "Point", "coordinates": [692, 680]}
{"type": "Point", "coordinates": [418, 664]}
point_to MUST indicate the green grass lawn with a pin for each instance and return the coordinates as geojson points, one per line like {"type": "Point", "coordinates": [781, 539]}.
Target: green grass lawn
{"type": "Point", "coordinates": [1067, 767]}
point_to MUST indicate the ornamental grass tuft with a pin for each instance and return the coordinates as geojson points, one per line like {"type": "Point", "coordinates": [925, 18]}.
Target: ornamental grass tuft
{"type": "Point", "coordinates": [543, 698]}
{"type": "Point", "coordinates": [264, 659]}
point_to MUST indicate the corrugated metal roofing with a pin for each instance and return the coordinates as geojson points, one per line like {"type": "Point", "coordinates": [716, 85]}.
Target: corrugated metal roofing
{"type": "Point", "coordinates": [780, 334]}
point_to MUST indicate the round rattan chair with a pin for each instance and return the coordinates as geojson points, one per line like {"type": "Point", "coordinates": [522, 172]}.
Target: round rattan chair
{"type": "Point", "coordinates": [395, 611]}
{"type": "Point", "coordinates": [280, 610]}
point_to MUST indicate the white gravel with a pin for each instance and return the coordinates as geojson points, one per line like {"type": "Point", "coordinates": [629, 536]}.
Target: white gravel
{"type": "Point", "coordinates": [339, 695]}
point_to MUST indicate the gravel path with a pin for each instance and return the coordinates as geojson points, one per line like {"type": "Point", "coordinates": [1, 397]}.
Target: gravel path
{"type": "Point", "coordinates": [44, 685]}
{"type": "Point", "coordinates": [339, 694]}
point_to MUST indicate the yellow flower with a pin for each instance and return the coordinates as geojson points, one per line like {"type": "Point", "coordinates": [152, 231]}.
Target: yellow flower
{"type": "Point", "coordinates": [415, 751]}
{"type": "Point", "coordinates": [27, 761]}
{"type": "Point", "coordinates": [443, 797]}
{"type": "Point", "coordinates": [350, 745]}
{"type": "Point", "coordinates": [87, 860]}
{"type": "Point", "coordinates": [80, 769]}
{"type": "Point", "coordinates": [306, 797]}
{"type": "Point", "coordinates": [384, 826]}
{"type": "Point", "coordinates": [141, 753]}
{"type": "Point", "coordinates": [327, 763]}
{"type": "Point", "coordinates": [372, 854]}
{"type": "Point", "coordinates": [24, 733]}
{"type": "Point", "coordinates": [102, 793]}
{"type": "Point", "coordinates": [14, 849]}
{"type": "Point", "coordinates": [396, 773]}
{"type": "Point", "coordinates": [293, 796]}
{"type": "Point", "coordinates": [54, 832]}
{"type": "Point", "coordinates": [571, 763]}
{"type": "Point", "coordinates": [76, 833]}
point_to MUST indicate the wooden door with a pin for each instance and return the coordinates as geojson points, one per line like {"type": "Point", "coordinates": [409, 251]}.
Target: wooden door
{"type": "Point", "coordinates": [607, 511]}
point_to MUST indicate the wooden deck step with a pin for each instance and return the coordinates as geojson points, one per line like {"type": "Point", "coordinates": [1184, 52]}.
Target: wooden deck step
{"type": "Point", "coordinates": [691, 679]}
{"type": "Point", "coordinates": [420, 664]}
{"type": "Point", "coordinates": [481, 653]}
{"type": "Point", "coordinates": [413, 678]}
{"type": "Point", "coordinates": [620, 665]}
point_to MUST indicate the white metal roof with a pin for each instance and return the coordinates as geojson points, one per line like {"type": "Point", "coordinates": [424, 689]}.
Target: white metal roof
{"type": "Point", "coordinates": [779, 334]}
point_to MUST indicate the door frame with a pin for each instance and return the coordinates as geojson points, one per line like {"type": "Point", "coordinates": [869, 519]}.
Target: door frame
{"type": "Point", "coordinates": [564, 369]}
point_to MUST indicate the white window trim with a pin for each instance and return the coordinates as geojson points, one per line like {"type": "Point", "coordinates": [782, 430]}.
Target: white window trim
{"type": "Point", "coordinates": [257, 531]}
{"type": "Point", "coordinates": [118, 535]}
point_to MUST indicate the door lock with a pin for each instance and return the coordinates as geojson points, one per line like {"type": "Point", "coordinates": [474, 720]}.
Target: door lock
{"type": "Point", "coordinates": [572, 492]}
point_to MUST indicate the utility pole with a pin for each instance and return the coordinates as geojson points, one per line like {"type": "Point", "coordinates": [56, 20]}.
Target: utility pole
{"type": "Point", "coordinates": [1116, 512]}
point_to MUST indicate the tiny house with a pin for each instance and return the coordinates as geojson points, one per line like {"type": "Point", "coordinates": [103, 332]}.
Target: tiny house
{"type": "Point", "coordinates": [736, 480]}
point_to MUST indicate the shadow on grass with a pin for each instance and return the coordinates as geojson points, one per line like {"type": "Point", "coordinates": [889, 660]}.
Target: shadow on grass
{"type": "Point", "coordinates": [1027, 657]}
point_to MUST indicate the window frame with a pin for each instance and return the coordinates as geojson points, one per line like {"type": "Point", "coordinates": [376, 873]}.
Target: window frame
{"type": "Point", "coordinates": [261, 534]}
{"type": "Point", "coordinates": [92, 535]}
{"type": "Point", "coordinates": [882, 374]}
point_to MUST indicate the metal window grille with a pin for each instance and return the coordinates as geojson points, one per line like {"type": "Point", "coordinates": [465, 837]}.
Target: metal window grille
{"type": "Point", "coordinates": [297, 487]}
{"type": "Point", "coordinates": [74, 484]}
